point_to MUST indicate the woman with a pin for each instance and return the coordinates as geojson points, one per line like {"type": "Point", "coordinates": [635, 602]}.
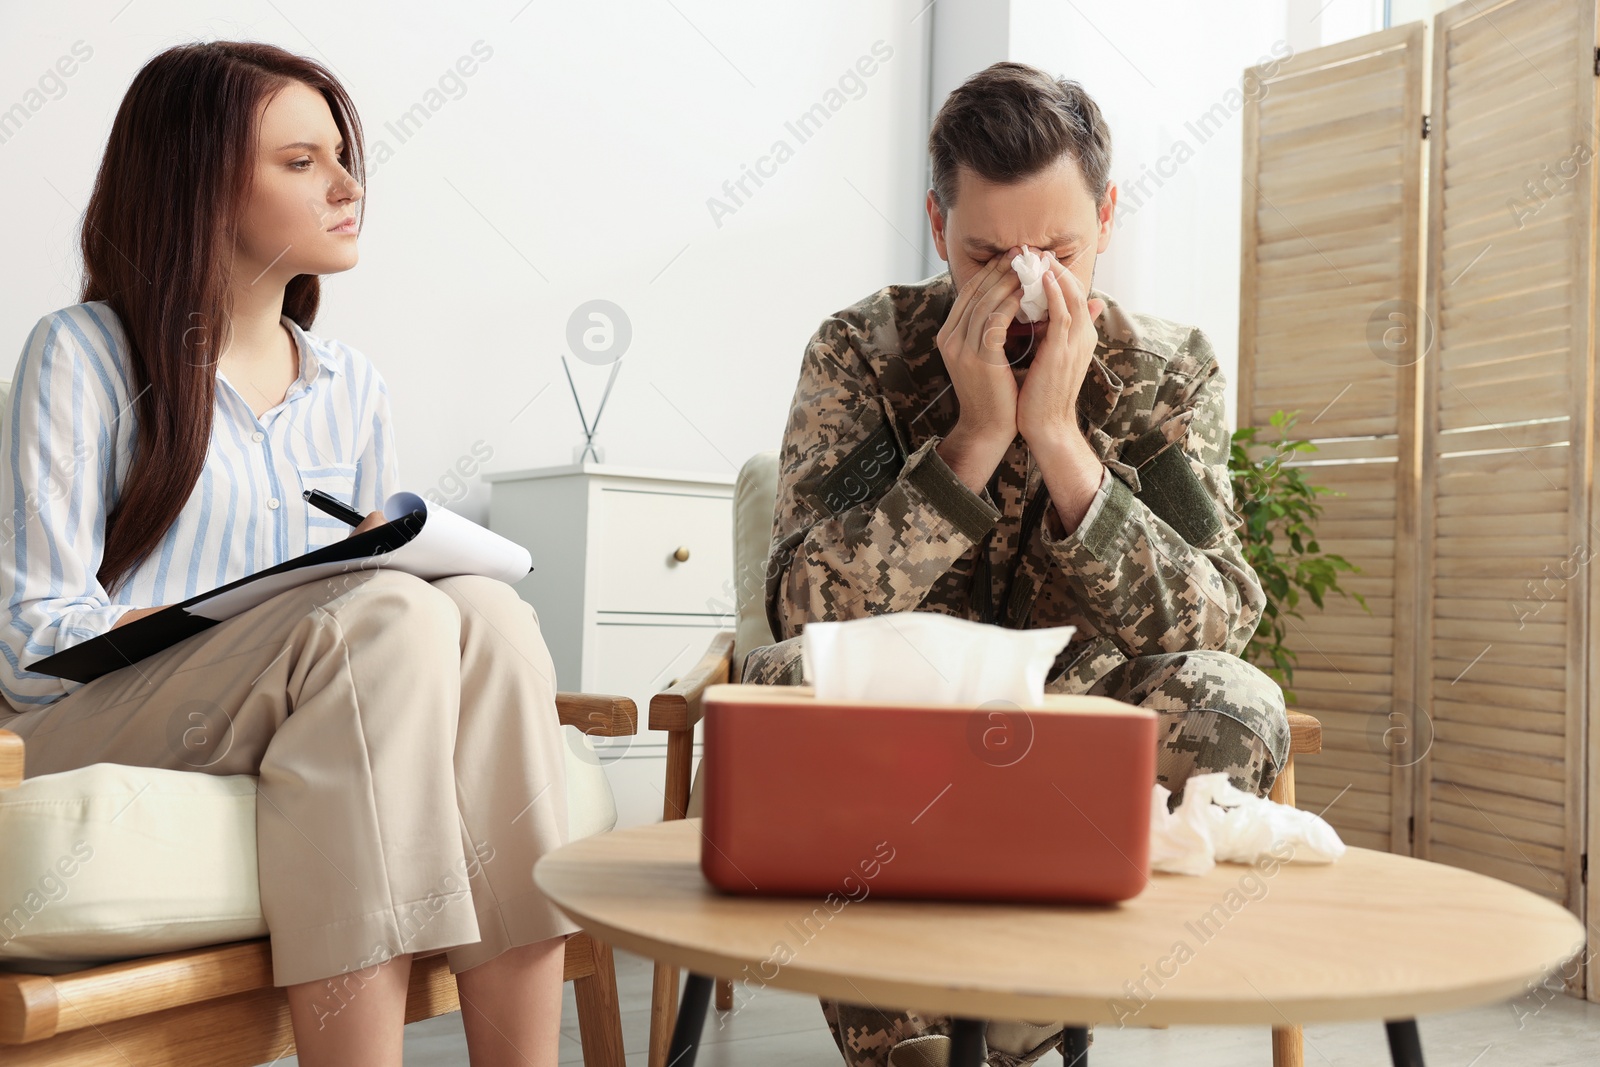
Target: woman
{"type": "Point", "coordinates": [404, 732]}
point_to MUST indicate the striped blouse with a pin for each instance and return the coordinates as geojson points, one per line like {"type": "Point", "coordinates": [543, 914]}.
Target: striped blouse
{"type": "Point", "coordinates": [65, 448]}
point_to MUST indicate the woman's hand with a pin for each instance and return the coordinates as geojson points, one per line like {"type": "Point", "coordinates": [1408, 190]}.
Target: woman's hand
{"type": "Point", "coordinates": [373, 519]}
{"type": "Point", "coordinates": [137, 613]}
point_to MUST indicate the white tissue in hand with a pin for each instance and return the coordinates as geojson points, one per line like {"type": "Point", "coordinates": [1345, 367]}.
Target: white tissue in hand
{"type": "Point", "coordinates": [1216, 821]}
{"type": "Point", "coordinates": [924, 657]}
{"type": "Point", "coordinates": [1030, 267]}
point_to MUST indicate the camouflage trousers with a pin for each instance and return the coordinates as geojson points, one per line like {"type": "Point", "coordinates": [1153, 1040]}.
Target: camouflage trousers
{"type": "Point", "coordinates": [1216, 713]}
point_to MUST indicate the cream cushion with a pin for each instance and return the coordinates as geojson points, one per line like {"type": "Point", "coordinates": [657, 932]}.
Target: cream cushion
{"type": "Point", "coordinates": [755, 499]}
{"type": "Point", "coordinates": [109, 861]}
{"type": "Point", "coordinates": [112, 861]}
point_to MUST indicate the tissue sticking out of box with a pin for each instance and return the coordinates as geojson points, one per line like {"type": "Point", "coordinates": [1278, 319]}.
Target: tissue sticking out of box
{"type": "Point", "coordinates": [1030, 267]}
{"type": "Point", "coordinates": [1217, 821]}
{"type": "Point", "coordinates": [925, 657]}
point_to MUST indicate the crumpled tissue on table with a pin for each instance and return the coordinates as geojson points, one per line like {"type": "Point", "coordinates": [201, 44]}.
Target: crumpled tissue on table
{"type": "Point", "coordinates": [926, 657]}
{"type": "Point", "coordinates": [1030, 267]}
{"type": "Point", "coordinates": [1216, 821]}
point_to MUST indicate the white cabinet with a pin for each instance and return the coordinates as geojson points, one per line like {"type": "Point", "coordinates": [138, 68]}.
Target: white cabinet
{"type": "Point", "coordinates": [632, 576]}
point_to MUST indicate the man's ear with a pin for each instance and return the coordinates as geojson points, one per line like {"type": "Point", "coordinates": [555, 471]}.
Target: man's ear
{"type": "Point", "coordinates": [936, 224]}
{"type": "Point", "coordinates": [1108, 213]}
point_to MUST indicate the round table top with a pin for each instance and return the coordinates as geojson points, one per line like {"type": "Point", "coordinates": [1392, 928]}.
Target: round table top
{"type": "Point", "coordinates": [1371, 936]}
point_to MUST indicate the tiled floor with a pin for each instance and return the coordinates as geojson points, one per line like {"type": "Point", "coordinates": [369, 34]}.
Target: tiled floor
{"type": "Point", "coordinates": [775, 1029]}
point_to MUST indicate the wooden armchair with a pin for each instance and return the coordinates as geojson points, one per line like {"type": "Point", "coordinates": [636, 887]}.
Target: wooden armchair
{"type": "Point", "coordinates": [679, 707]}
{"type": "Point", "coordinates": [217, 1006]}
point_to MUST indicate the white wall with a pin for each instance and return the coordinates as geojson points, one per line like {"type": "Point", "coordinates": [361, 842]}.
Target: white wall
{"type": "Point", "coordinates": [576, 164]}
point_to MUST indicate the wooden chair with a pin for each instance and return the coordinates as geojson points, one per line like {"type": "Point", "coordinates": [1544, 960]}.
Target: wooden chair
{"type": "Point", "coordinates": [676, 710]}
{"type": "Point", "coordinates": [217, 1006]}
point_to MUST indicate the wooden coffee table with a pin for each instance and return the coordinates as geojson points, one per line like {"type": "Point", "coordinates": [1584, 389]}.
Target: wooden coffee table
{"type": "Point", "coordinates": [1373, 936]}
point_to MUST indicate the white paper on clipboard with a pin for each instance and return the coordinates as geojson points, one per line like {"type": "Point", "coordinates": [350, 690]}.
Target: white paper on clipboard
{"type": "Point", "coordinates": [445, 544]}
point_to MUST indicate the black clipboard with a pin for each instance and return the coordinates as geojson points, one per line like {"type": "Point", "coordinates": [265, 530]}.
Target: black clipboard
{"type": "Point", "coordinates": [129, 643]}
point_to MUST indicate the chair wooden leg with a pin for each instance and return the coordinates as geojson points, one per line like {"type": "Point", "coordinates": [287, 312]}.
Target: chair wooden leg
{"type": "Point", "coordinates": [724, 994]}
{"type": "Point", "coordinates": [680, 754]}
{"type": "Point", "coordinates": [663, 1013]}
{"type": "Point", "coordinates": [1283, 785]}
{"type": "Point", "coordinates": [664, 990]}
{"type": "Point", "coordinates": [1288, 1043]}
{"type": "Point", "coordinates": [1288, 1047]}
{"type": "Point", "coordinates": [599, 1012]}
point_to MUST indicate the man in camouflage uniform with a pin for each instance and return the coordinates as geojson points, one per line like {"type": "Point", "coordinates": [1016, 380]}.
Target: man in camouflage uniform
{"type": "Point", "coordinates": [1119, 521]}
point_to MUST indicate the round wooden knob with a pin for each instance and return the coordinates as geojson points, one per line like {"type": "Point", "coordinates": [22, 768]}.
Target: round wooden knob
{"type": "Point", "coordinates": [682, 555]}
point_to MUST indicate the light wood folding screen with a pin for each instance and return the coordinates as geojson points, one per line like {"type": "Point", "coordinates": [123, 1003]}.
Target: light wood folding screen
{"type": "Point", "coordinates": [1508, 440]}
{"type": "Point", "coordinates": [1456, 717]}
{"type": "Point", "coordinates": [1331, 294]}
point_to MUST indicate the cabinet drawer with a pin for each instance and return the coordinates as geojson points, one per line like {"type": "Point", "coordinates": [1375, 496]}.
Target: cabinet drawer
{"type": "Point", "coordinates": [639, 660]}
{"type": "Point", "coordinates": [638, 534]}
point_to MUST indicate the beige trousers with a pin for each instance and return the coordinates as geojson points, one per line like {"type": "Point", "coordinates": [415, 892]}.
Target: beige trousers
{"type": "Point", "coordinates": [409, 759]}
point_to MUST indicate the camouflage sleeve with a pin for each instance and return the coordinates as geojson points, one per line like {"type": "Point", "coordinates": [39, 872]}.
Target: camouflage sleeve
{"type": "Point", "coordinates": [860, 527]}
{"type": "Point", "coordinates": [1159, 567]}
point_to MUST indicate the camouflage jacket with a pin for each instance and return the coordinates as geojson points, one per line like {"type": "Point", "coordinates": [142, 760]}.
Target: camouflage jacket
{"type": "Point", "coordinates": [870, 519]}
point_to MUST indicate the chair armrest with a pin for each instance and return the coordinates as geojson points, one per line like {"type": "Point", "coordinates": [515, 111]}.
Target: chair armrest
{"type": "Point", "coordinates": [679, 706]}
{"type": "Point", "coordinates": [10, 760]}
{"type": "Point", "coordinates": [591, 713]}
{"type": "Point", "coordinates": [595, 713]}
{"type": "Point", "coordinates": [1305, 733]}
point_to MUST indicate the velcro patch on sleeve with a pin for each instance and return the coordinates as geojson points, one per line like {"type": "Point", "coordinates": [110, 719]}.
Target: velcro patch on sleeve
{"type": "Point", "coordinates": [1169, 487]}
{"type": "Point", "coordinates": [865, 473]}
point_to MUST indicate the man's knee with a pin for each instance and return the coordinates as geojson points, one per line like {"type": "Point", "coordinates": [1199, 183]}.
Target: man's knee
{"type": "Point", "coordinates": [1203, 741]}
{"type": "Point", "coordinates": [1245, 684]}
{"type": "Point", "coordinates": [1219, 713]}
{"type": "Point", "coordinates": [775, 664]}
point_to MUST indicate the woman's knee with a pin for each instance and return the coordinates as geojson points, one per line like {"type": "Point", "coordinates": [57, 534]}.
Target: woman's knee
{"type": "Point", "coordinates": [477, 594]}
{"type": "Point", "coordinates": [399, 601]}
{"type": "Point", "coordinates": [496, 621]}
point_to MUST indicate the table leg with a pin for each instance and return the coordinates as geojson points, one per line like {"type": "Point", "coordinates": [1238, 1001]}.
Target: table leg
{"type": "Point", "coordinates": [1405, 1044]}
{"type": "Point", "coordinates": [1075, 1046]}
{"type": "Point", "coordinates": [966, 1042]}
{"type": "Point", "coordinates": [691, 1019]}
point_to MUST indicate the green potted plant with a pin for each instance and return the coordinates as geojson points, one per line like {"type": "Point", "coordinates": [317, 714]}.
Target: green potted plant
{"type": "Point", "coordinates": [1279, 507]}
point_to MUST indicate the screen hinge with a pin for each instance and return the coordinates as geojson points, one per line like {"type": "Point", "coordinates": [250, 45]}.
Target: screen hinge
{"type": "Point", "coordinates": [1426, 126]}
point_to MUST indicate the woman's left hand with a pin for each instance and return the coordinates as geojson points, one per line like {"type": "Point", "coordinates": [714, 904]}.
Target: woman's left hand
{"type": "Point", "coordinates": [373, 519]}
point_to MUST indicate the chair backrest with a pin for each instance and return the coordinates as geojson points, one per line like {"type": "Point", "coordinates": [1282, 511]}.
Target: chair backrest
{"type": "Point", "coordinates": [755, 496]}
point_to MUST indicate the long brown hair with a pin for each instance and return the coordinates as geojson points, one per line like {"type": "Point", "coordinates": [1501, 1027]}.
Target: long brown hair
{"type": "Point", "coordinates": [158, 243]}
